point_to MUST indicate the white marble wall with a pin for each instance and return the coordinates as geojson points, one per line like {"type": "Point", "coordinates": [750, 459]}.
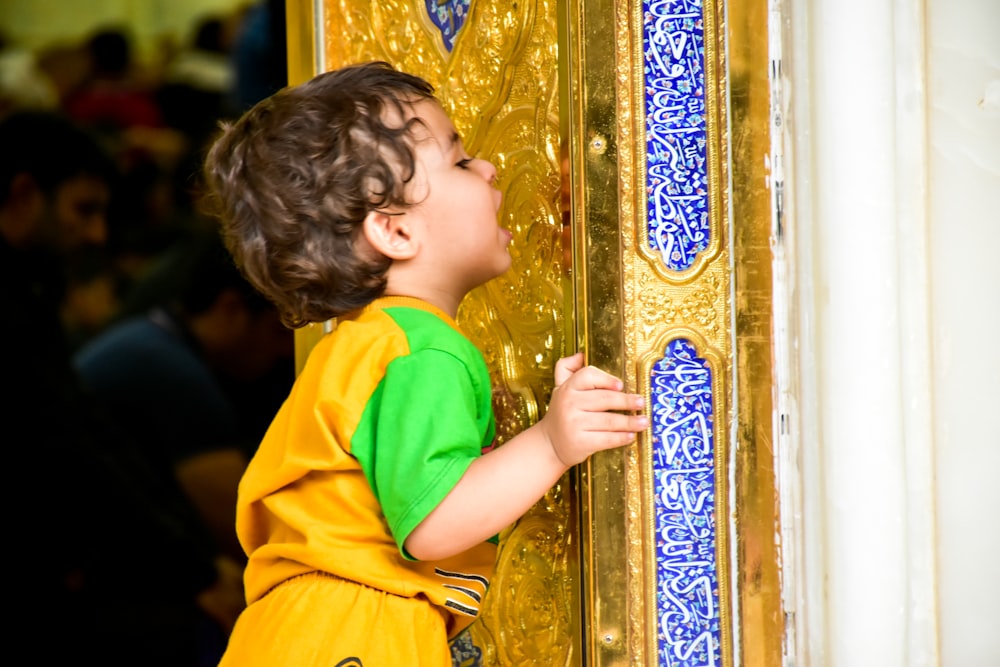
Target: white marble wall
{"type": "Point", "coordinates": [963, 109]}
{"type": "Point", "coordinates": [891, 144]}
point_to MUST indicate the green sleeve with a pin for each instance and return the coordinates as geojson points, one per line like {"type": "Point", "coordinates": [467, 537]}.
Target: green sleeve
{"type": "Point", "coordinates": [421, 430]}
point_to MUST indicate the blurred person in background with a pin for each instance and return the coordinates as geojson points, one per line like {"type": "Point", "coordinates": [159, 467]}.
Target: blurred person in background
{"type": "Point", "coordinates": [260, 54]}
{"type": "Point", "coordinates": [113, 96]}
{"type": "Point", "coordinates": [197, 79]}
{"type": "Point", "coordinates": [24, 84]}
{"type": "Point", "coordinates": [110, 569]}
{"type": "Point", "coordinates": [194, 375]}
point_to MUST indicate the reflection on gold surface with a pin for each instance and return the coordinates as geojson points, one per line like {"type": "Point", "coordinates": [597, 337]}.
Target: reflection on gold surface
{"type": "Point", "coordinates": [761, 614]}
{"type": "Point", "coordinates": [303, 62]}
{"type": "Point", "coordinates": [593, 138]}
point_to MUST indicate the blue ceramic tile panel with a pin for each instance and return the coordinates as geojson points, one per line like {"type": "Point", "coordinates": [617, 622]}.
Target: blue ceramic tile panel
{"type": "Point", "coordinates": [448, 16]}
{"type": "Point", "coordinates": [676, 180]}
{"type": "Point", "coordinates": [683, 461]}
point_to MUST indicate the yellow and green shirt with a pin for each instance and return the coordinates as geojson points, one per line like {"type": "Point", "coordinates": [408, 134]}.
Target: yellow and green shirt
{"type": "Point", "coordinates": [384, 419]}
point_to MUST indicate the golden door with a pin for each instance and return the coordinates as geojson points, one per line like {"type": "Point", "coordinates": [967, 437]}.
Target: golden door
{"type": "Point", "coordinates": [632, 156]}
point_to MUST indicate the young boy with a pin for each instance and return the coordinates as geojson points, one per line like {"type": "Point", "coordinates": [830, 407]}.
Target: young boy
{"type": "Point", "coordinates": [370, 510]}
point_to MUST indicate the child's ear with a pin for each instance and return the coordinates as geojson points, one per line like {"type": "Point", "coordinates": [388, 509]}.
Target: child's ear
{"type": "Point", "coordinates": [391, 235]}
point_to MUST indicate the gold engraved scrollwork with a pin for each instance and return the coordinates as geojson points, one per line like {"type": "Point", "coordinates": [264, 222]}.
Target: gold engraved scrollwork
{"type": "Point", "coordinates": [499, 85]}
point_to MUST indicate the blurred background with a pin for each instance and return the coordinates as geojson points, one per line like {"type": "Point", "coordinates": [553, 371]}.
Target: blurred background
{"type": "Point", "coordinates": [153, 78]}
{"type": "Point", "coordinates": [140, 368]}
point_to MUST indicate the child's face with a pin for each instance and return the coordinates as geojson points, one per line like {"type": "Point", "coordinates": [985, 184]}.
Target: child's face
{"type": "Point", "coordinates": [456, 204]}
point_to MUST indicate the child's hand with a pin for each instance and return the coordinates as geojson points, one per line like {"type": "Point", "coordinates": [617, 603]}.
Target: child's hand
{"type": "Point", "coordinates": [581, 418]}
{"type": "Point", "coordinates": [503, 484]}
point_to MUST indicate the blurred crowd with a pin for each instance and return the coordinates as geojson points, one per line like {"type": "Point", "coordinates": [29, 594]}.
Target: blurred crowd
{"type": "Point", "coordinates": [139, 368]}
{"type": "Point", "coordinates": [155, 119]}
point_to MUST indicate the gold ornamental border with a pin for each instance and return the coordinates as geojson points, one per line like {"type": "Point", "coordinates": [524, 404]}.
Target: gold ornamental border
{"type": "Point", "coordinates": [717, 364]}
{"type": "Point", "coordinates": [627, 303]}
{"type": "Point", "coordinates": [703, 292]}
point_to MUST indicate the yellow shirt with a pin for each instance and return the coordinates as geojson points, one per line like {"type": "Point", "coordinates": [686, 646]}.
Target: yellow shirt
{"type": "Point", "coordinates": [386, 416]}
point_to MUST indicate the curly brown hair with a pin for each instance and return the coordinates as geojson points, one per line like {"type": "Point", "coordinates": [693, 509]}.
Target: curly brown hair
{"type": "Point", "coordinates": [293, 179]}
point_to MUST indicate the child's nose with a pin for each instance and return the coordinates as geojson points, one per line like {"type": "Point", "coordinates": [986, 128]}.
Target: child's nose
{"type": "Point", "coordinates": [490, 172]}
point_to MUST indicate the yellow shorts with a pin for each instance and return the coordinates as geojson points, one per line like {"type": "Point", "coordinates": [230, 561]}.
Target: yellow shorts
{"type": "Point", "coordinates": [316, 620]}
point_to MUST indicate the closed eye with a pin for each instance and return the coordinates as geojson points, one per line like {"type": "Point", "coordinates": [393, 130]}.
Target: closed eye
{"type": "Point", "coordinates": [464, 163]}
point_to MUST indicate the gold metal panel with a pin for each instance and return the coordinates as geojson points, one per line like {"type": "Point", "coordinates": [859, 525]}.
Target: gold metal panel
{"type": "Point", "coordinates": [500, 86]}
{"type": "Point", "coordinates": [762, 621]}
{"type": "Point", "coordinates": [655, 305]}
{"type": "Point", "coordinates": [593, 138]}
{"type": "Point", "coordinates": [300, 21]}
{"type": "Point", "coordinates": [693, 304]}
{"type": "Point", "coordinates": [628, 306]}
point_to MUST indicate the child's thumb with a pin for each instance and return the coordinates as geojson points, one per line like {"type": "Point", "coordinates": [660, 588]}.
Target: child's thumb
{"type": "Point", "coordinates": [566, 366]}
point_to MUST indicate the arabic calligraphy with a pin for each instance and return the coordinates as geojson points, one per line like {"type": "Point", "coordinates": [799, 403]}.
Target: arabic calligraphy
{"type": "Point", "coordinates": [676, 174]}
{"type": "Point", "coordinates": [684, 501]}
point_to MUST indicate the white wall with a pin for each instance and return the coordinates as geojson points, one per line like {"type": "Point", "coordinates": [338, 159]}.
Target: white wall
{"type": "Point", "coordinates": [892, 147]}
{"type": "Point", "coordinates": [964, 205]}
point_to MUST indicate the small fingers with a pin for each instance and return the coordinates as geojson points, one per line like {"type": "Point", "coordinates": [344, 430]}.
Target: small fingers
{"type": "Point", "coordinates": [608, 400]}
{"type": "Point", "coordinates": [613, 422]}
{"type": "Point", "coordinates": [591, 377]}
{"type": "Point", "coordinates": [602, 440]}
{"type": "Point", "coordinates": [567, 366]}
